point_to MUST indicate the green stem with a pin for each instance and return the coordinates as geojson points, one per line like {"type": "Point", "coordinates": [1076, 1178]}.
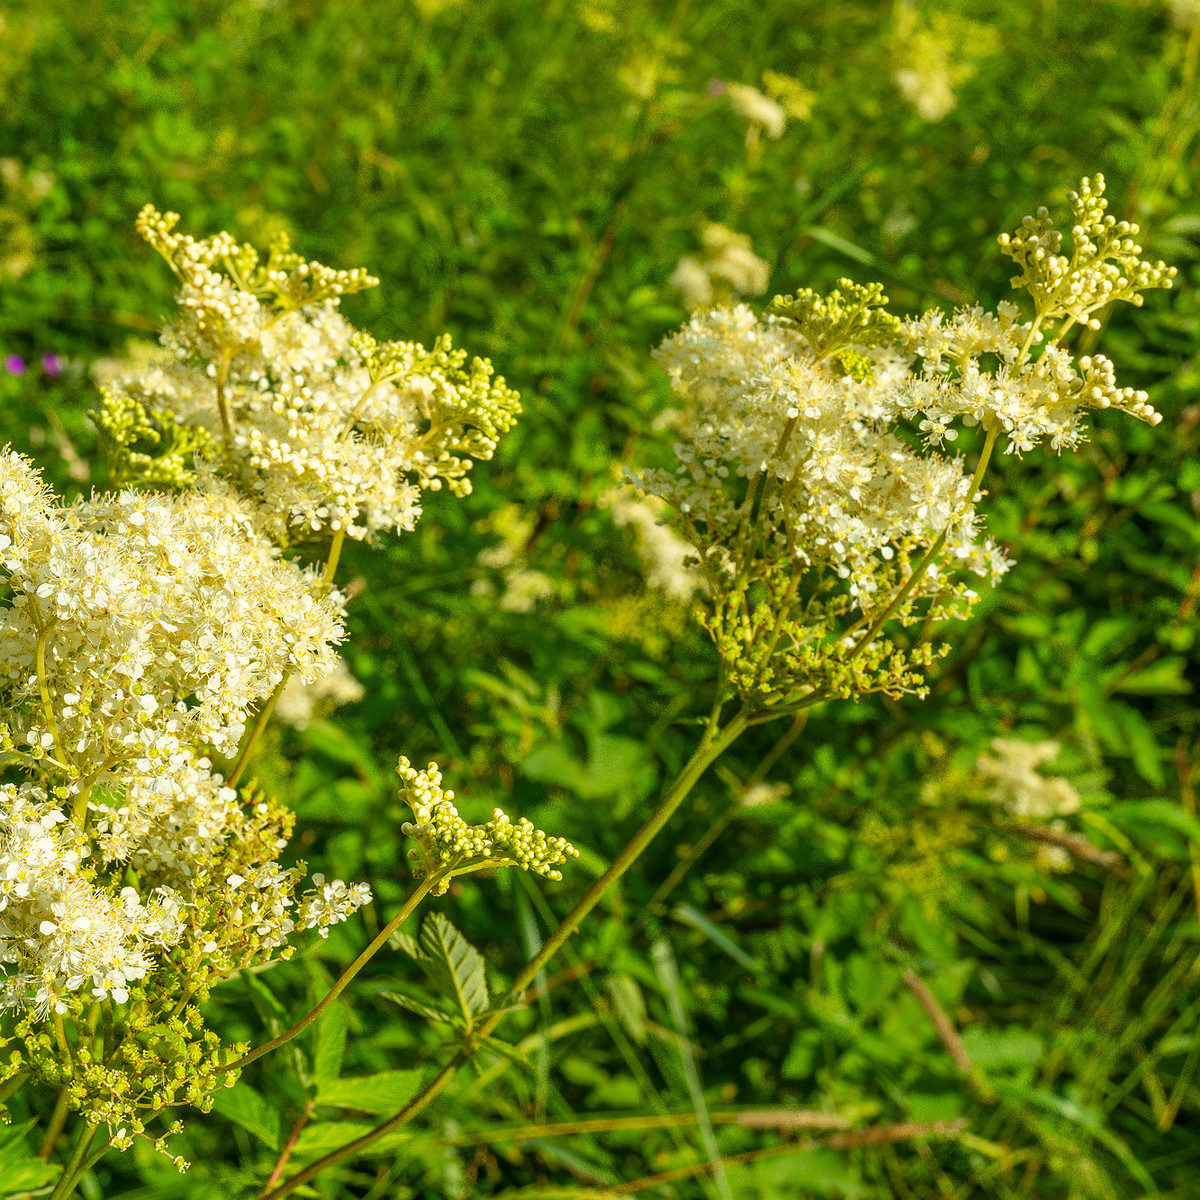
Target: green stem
{"type": "Point", "coordinates": [44, 687]}
{"type": "Point", "coordinates": [711, 747]}
{"type": "Point", "coordinates": [223, 405]}
{"type": "Point", "coordinates": [256, 732]}
{"type": "Point", "coordinates": [929, 555]}
{"type": "Point", "coordinates": [719, 826]}
{"type": "Point", "coordinates": [335, 552]}
{"type": "Point", "coordinates": [714, 743]}
{"type": "Point", "coordinates": [58, 1118]}
{"type": "Point", "coordinates": [73, 1171]}
{"type": "Point", "coordinates": [345, 978]}
{"type": "Point", "coordinates": [268, 710]}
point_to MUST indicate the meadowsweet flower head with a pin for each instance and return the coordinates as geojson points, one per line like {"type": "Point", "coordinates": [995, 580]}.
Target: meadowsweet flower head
{"type": "Point", "coordinates": [729, 268]}
{"type": "Point", "coordinates": [137, 623]}
{"type": "Point", "coordinates": [324, 429]}
{"type": "Point", "coordinates": [933, 60]}
{"type": "Point", "coordinates": [447, 846]}
{"type": "Point", "coordinates": [803, 504]}
{"type": "Point", "coordinates": [1012, 779]}
{"type": "Point", "coordinates": [763, 113]}
{"type": "Point", "coordinates": [817, 520]}
{"type": "Point", "coordinates": [1017, 375]}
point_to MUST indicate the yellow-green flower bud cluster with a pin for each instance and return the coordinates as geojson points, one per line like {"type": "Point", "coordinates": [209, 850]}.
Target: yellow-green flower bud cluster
{"type": "Point", "coordinates": [851, 315]}
{"type": "Point", "coordinates": [1104, 264]}
{"type": "Point", "coordinates": [125, 423]}
{"type": "Point", "coordinates": [447, 846]}
{"type": "Point", "coordinates": [462, 410]}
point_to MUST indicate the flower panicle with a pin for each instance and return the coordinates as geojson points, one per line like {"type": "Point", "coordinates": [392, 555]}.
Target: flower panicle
{"type": "Point", "coordinates": [447, 846]}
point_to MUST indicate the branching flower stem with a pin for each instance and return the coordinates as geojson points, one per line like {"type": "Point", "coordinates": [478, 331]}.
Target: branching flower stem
{"type": "Point", "coordinates": [268, 710]}
{"type": "Point", "coordinates": [44, 687]}
{"type": "Point", "coordinates": [346, 977]}
{"type": "Point", "coordinates": [927, 558]}
{"type": "Point", "coordinates": [713, 744]}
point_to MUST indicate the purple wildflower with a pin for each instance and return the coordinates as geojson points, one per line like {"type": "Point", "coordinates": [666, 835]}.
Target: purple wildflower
{"type": "Point", "coordinates": [51, 363]}
{"type": "Point", "coordinates": [14, 364]}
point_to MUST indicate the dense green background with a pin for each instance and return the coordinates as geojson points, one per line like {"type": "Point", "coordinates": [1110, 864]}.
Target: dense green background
{"type": "Point", "coordinates": [526, 176]}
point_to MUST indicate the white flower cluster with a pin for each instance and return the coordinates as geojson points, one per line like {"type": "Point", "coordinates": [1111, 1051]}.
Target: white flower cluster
{"type": "Point", "coordinates": [1012, 780]}
{"type": "Point", "coordinates": [758, 109]}
{"type": "Point", "coordinates": [326, 431]}
{"type": "Point", "coordinates": [728, 268]}
{"type": "Point", "coordinates": [666, 558]}
{"type": "Point", "coordinates": [448, 846]}
{"type": "Point", "coordinates": [137, 623]}
{"type": "Point", "coordinates": [58, 930]}
{"type": "Point", "coordinates": [136, 627]}
{"type": "Point", "coordinates": [851, 494]}
{"type": "Point", "coordinates": [1042, 398]}
{"type": "Point", "coordinates": [934, 60]}
{"type": "Point", "coordinates": [816, 518]}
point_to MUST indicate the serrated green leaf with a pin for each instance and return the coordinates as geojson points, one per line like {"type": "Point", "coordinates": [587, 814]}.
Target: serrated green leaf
{"type": "Point", "coordinates": [405, 943]}
{"type": "Point", "coordinates": [454, 966]}
{"type": "Point", "coordinates": [505, 1050]}
{"type": "Point", "coordinates": [247, 1108]}
{"type": "Point", "coordinates": [417, 1006]}
{"type": "Point", "coordinates": [383, 1092]}
{"type": "Point", "coordinates": [323, 1136]}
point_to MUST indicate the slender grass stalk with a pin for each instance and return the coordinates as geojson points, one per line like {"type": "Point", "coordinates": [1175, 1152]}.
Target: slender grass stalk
{"type": "Point", "coordinates": [760, 1118]}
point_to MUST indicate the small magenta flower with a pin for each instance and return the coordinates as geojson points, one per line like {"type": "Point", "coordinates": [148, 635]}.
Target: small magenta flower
{"type": "Point", "coordinates": [51, 364]}
{"type": "Point", "coordinates": [14, 364]}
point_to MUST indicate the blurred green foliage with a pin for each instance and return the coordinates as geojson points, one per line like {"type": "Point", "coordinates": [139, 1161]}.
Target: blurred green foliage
{"type": "Point", "coordinates": [526, 175]}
